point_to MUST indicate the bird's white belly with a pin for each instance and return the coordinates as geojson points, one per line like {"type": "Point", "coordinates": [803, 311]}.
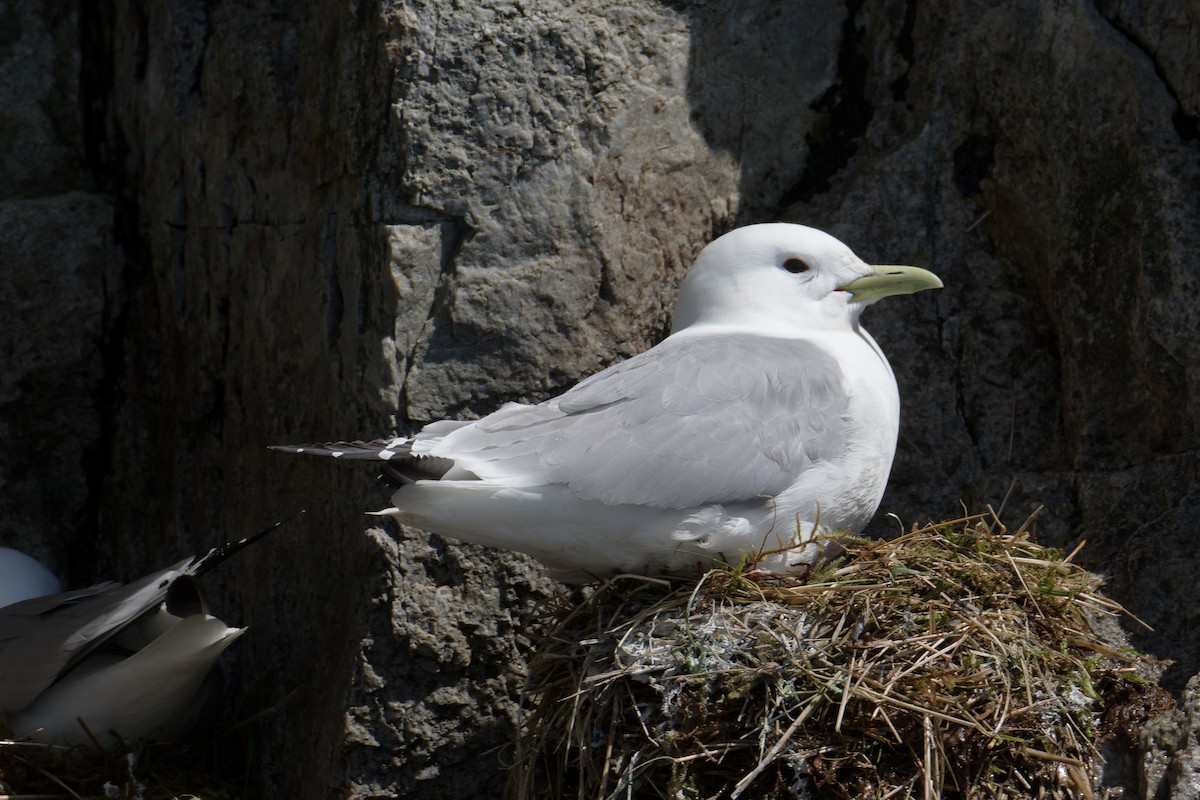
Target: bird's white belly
{"type": "Point", "coordinates": [579, 540]}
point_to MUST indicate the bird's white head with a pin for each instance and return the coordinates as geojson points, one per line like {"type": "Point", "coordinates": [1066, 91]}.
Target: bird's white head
{"type": "Point", "coordinates": [786, 279]}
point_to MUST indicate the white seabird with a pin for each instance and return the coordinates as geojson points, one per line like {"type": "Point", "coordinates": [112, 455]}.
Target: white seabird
{"type": "Point", "coordinates": [23, 576]}
{"type": "Point", "coordinates": [768, 417]}
{"type": "Point", "coordinates": [126, 659]}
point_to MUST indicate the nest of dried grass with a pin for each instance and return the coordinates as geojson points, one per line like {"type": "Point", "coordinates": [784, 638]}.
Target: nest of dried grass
{"type": "Point", "coordinates": [957, 661]}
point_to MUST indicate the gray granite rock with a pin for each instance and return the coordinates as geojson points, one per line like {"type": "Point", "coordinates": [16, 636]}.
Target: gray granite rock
{"type": "Point", "coordinates": [233, 226]}
{"type": "Point", "coordinates": [62, 291]}
{"type": "Point", "coordinates": [1170, 765]}
{"type": "Point", "coordinates": [61, 274]}
{"type": "Point", "coordinates": [41, 121]}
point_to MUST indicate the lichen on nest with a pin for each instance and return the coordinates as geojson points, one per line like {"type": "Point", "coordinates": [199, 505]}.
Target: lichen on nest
{"type": "Point", "coordinates": [956, 661]}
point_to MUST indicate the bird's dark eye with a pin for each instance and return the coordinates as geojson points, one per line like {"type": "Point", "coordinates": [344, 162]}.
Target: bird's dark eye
{"type": "Point", "coordinates": [796, 265]}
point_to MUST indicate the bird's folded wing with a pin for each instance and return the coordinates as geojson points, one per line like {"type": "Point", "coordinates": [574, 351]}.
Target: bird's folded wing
{"type": "Point", "coordinates": [694, 421]}
{"type": "Point", "coordinates": [42, 638]}
{"type": "Point", "coordinates": [134, 696]}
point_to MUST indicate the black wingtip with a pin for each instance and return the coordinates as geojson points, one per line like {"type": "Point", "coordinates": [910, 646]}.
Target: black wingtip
{"type": "Point", "coordinates": [357, 450]}
{"type": "Point", "coordinates": [218, 555]}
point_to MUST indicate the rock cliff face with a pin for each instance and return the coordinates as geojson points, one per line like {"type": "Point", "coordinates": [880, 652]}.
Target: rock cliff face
{"type": "Point", "coordinates": [226, 227]}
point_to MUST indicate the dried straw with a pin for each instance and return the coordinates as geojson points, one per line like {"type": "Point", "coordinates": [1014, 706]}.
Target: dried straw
{"type": "Point", "coordinates": [956, 661]}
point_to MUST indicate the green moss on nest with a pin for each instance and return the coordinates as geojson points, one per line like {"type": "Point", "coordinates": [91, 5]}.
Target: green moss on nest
{"type": "Point", "coordinates": [955, 661]}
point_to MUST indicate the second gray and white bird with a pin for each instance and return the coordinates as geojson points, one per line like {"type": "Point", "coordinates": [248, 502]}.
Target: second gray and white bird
{"type": "Point", "coordinates": [128, 660]}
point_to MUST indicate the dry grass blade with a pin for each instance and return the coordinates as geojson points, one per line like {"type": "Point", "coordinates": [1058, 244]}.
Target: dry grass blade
{"type": "Point", "coordinates": [143, 771]}
{"type": "Point", "coordinates": [955, 661]}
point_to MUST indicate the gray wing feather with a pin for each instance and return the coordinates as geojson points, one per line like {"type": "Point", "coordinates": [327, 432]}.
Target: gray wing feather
{"type": "Point", "coordinates": [691, 422]}
{"type": "Point", "coordinates": [43, 637]}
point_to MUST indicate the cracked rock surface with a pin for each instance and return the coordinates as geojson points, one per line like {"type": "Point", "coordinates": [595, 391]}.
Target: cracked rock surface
{"type": "Point", "coordinates": [227, 227]}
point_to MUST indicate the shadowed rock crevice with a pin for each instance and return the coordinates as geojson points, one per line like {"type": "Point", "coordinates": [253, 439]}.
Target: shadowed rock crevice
{"type": "Point", "coordinates": [906, 47]}
{"type": "Point", "coordinates": [844, 114]}
{"type": "Point", "coordinates": [1177, 81]}
{"type": "Point", "coordinates": [973, 160]}
{"type": "Point", "coordinates": [105, 152]}
{"type": "Point", "coordinates": [808, 55]}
